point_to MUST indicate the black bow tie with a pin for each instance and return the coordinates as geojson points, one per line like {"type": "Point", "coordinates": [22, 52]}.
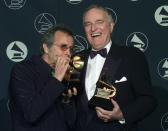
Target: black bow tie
{"type": "Point", "coordinates": [102, 52]}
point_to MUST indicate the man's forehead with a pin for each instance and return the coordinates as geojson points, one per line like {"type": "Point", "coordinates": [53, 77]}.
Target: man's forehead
{"type": "Point", "coordinates": [97, 13]}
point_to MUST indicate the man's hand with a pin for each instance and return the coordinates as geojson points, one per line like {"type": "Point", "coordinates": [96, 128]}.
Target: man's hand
{"type": "Point", "coordinates": [61, 66]}
{"type": "Point", "coordinates": [107, 115]}
{"type": "Point", "coordinates": [67, 96]}
{"type": "Point", "coordinates": [72, 92]}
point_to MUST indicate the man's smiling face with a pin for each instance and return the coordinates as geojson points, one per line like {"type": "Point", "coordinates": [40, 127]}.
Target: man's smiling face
{"type": "Point", "coordinates": [98, 28]}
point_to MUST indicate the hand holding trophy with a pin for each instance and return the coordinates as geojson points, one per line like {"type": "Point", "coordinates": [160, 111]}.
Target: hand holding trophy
{"type": "Point", "coordinates": [103, 95]}
{"type": "Point", "coordinates": [72, 77]}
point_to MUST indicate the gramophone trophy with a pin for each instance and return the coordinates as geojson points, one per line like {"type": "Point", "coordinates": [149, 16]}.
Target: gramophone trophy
{"type": "Point", "coordinates": [103, 95]}
{"type": "Point", "coordinates": [72, 76]}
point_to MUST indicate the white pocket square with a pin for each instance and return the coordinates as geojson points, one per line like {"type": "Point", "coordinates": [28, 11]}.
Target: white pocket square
{"type": "Point", "coordinates": [121, 80]}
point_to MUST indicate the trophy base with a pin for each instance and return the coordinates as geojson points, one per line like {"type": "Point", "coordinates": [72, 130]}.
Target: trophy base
{"type": "Point", "coordinates": [101, 102]}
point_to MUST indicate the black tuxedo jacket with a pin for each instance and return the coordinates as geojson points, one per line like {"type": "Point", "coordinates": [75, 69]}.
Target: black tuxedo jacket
{"type": "Point", "coordinates": [134, 95]}
{"type": "Point", "coordinates": [35, 101]}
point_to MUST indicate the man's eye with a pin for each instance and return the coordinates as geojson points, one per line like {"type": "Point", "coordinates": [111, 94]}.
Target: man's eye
{"type": "Point", "coordinates": [87, 24]}
{"type": "Point", "coordinates": [99, 22]}
{"type": "Point", "coordinates": [64, 47]}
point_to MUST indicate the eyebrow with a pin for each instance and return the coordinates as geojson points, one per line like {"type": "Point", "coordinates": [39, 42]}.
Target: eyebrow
{"type": "Point", "coordinates": [64, 44]}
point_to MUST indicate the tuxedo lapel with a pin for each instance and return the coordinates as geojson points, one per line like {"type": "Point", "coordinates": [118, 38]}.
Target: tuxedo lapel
{"type": "Point", "coordinates": [111, 65]}
{"type": "Point", "coordinates": [109, 69]}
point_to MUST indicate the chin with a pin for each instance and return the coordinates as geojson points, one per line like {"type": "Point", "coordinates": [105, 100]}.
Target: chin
{"type": "Point", "coordinates": [97, 47]}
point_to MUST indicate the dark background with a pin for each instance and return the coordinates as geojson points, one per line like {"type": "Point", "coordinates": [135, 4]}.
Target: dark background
{"type": "Point", "coordinates": [19, 19]}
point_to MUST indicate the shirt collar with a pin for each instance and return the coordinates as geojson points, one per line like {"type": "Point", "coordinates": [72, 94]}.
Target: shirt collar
{"type": "Point", "coordinates": [108, 46]}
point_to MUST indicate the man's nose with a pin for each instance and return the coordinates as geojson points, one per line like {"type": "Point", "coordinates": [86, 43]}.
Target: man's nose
{"type": "Point", "coordinates": [68, 52]}
{"type": "Point", "coordinates": [93, 27]}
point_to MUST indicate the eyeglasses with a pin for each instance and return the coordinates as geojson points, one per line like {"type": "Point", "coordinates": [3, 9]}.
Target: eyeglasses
{"type": "Point", "coordinates": [64, 47]}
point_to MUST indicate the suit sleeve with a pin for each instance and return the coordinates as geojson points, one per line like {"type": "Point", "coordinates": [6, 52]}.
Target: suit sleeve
{"type": "Point", "coordinates": [145, 101]}
{"type": "Point", "coordinates": [30, 101]}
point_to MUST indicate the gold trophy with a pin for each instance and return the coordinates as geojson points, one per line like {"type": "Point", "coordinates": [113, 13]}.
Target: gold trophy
{"type": "Point", "coordinates": [72, 76]}
{"type": "Point", "coordinates": [103, 95]}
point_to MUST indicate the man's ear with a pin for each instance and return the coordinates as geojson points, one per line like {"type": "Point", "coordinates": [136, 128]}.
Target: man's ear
{"type": "Point", "coordinates": [111, 26]}
{"type": "Point", "coordinates": [45, 48]}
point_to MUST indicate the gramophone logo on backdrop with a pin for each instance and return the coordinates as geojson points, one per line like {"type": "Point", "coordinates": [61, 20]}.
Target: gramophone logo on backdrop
{"type": "Point", "coordinates": [164, 122]}
{"type": "Point", "coordinates": [74, 1]}
{"type": "Point", "coordinates": [163, 68]}
{"type": "Point", "coordinates": [16, 51]}
{"type": "Point", "coordinates": [15, 4]}
{"type": "Point", "coordinates": [80, 44]}
{"type": "Point", "coordinates": [161, 15]}
{"type": "Point", "coordinates": [113, 13]}
{"type": "Point", "coordinates": [138, 40]}
{"type": "Point", "coordinates": [43, 22]}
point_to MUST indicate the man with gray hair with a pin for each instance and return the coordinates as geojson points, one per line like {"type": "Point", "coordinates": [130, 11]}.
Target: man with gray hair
{"type": "Point", "coordinates": [124, 69]}
{"type": "Point", "coordinates": [36, 87]}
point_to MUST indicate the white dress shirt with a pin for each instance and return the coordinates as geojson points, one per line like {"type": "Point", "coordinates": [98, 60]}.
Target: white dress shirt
{"type": "Point", "coordinates": [94, 68]}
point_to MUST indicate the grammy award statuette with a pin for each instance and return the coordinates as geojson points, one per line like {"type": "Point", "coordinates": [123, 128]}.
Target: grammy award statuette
{"type": "Point", "coordinates": [103, 95]}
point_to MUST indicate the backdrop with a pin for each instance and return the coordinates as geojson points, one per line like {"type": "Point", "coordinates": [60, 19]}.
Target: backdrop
{"type": "Point", "coordinates": [139, 23]}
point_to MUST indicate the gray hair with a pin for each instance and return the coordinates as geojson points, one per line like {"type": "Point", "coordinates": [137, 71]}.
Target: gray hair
{"type": "Point", "coordinates": [48, 36]}
{"type": "Point", "coordinates": [110, 19]}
